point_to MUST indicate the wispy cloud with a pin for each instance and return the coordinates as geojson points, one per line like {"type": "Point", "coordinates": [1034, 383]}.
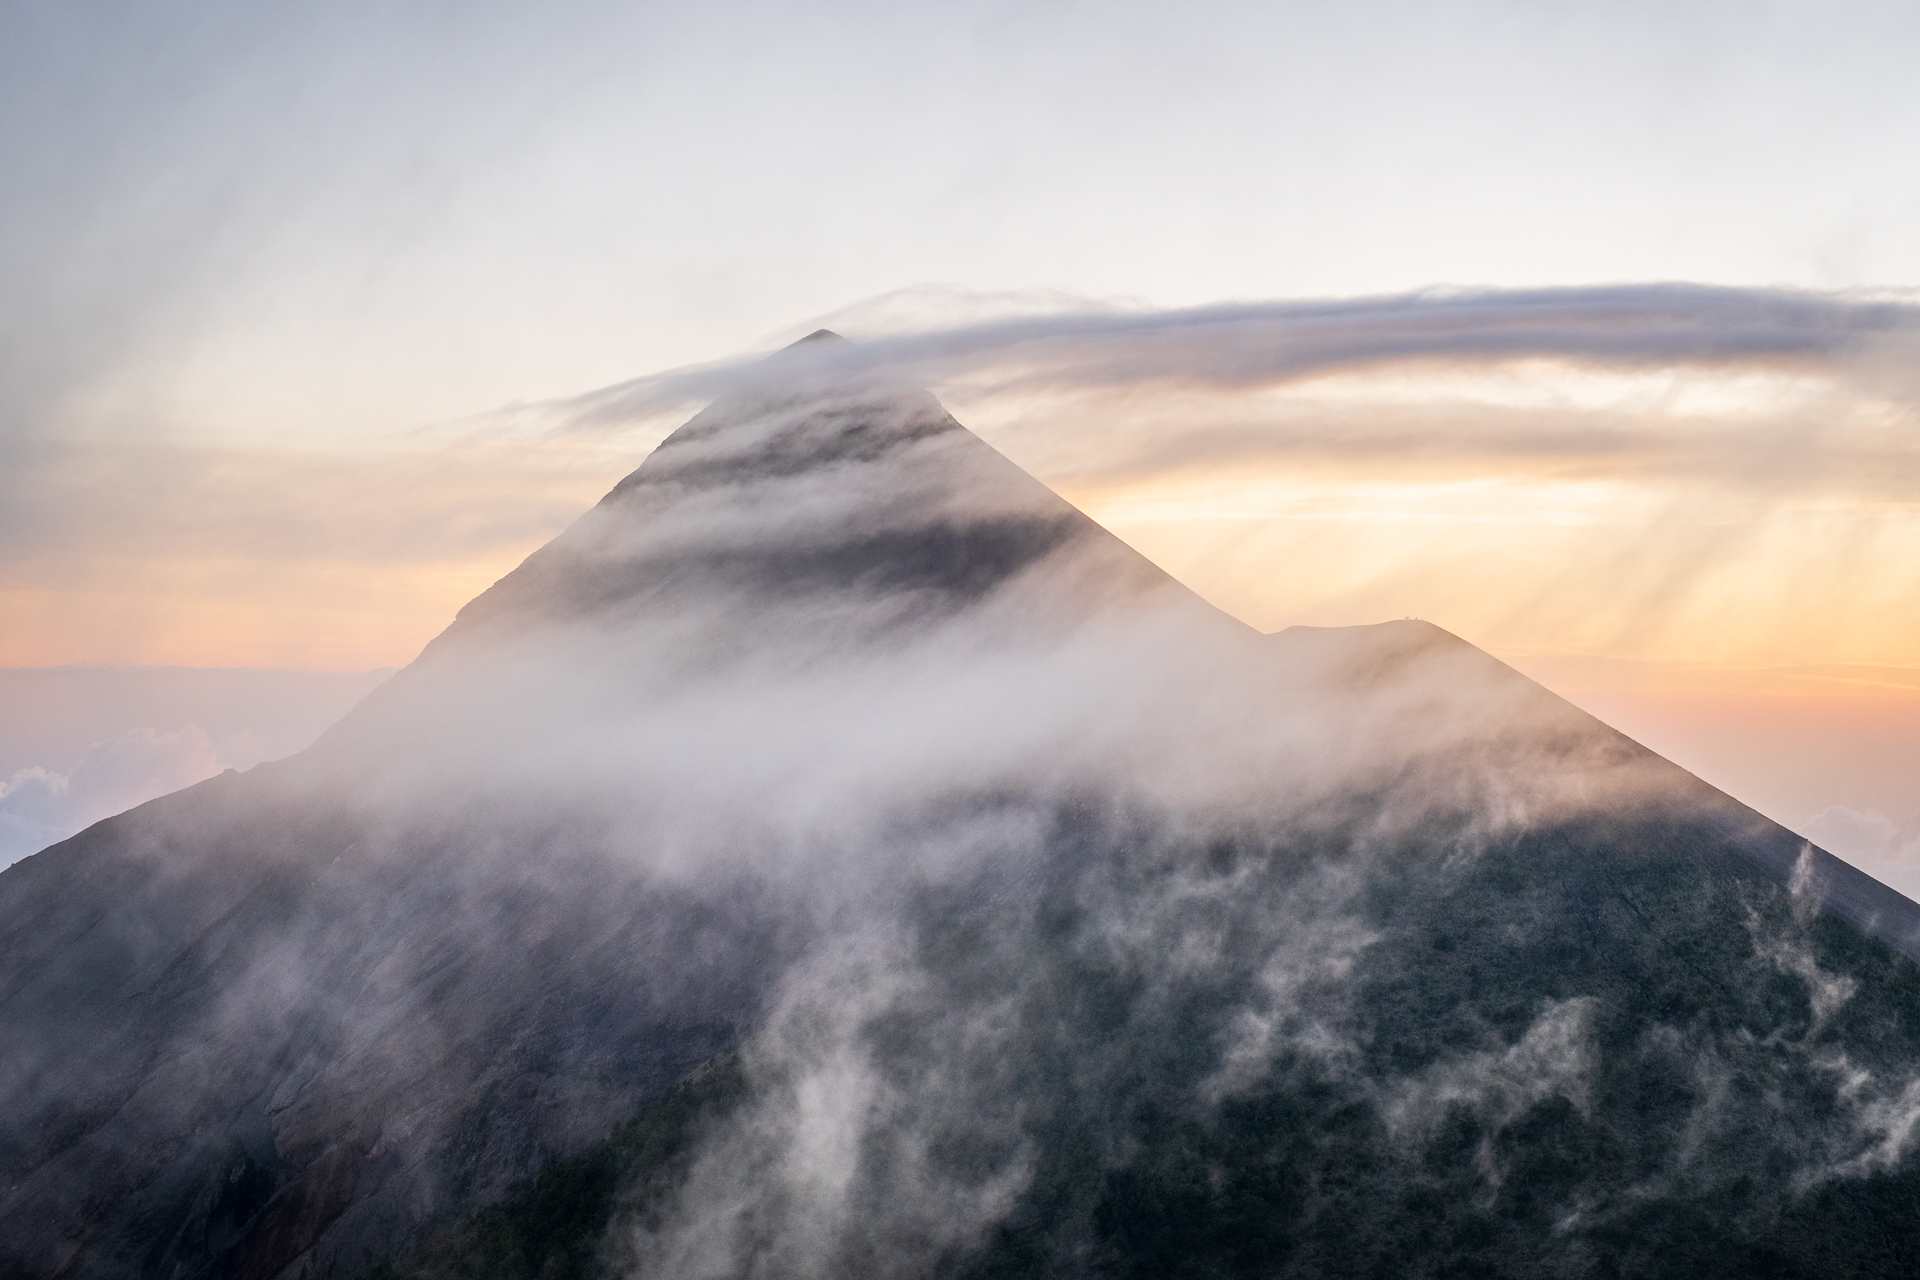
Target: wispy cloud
{"type": "Point", "coordinates": [1243, 346]}
{"type": "Point", "coordinates": [1651, 470]}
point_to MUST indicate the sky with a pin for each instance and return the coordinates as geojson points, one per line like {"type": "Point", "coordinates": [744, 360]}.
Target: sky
{"type": "Point", "coordinates": [305, 312]}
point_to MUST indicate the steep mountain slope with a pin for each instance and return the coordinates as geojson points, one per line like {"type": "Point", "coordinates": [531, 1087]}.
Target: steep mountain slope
{"type": "Point", "coordinates": [1060, 924]}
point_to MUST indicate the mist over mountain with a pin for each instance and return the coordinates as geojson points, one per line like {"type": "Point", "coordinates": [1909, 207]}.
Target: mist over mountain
{"type": "Point", "coordinates": [914, 880]}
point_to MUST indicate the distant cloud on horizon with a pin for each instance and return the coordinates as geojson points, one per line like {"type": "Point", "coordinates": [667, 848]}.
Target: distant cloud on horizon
{"type": "Point", "coordinates": [79, 744]}
{"type": "Point", "coordinates": [1885, 848]}
{"type": "Point", "coordinates": [40, 806]}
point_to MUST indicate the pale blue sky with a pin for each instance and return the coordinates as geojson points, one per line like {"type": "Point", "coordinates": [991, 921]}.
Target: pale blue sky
{"type": "Point", "coordinates": [329, 221]}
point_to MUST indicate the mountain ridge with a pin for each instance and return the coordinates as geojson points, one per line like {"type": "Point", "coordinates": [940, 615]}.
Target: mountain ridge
{"type": "Point", "coordinates": [1024, 885]}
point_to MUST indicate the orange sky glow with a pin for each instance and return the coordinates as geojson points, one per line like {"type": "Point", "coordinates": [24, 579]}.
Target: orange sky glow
{"type": "Point", "coordinates": [1723, 564]}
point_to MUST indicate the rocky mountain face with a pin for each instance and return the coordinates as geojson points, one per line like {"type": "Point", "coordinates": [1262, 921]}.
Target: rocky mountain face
{"type": "Point", "coordinates": [1044, 920]}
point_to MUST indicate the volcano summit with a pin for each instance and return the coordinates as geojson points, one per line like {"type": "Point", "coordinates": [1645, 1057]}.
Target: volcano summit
{"type": "Point", "coordinates": [835, 855]}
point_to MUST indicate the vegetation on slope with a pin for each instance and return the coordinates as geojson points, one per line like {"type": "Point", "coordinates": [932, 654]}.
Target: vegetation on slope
{"type": "Point", "coordinates": [552, 1226]}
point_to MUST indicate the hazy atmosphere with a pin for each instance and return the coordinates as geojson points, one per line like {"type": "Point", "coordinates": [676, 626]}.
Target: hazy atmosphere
{"type": "Point", "coordinates": [1030, 788]}
{"type": "Point", "coordinates": [296, 300]}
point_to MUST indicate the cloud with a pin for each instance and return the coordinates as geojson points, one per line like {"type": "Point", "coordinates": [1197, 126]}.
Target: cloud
{"type": "Point", "coordinates": [1004, 856]}
{"type": "Point", "coordinates": [1614, 469]}
{"type": "Point", "coordinates": [1674, 471]}
{"type": "Point", "coordinates": [1887, 849]}
{"type": "Point", "coordinates": [1624, 402]}
{"type": "Point", "coordinates": [1556, 1057]}
{"type": "Point", "coordinates": [1243, 346]}
{"type": "Point", "coordinates": [39, 806]}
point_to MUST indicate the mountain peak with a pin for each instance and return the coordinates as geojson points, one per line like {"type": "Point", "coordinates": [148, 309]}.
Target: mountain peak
{"type": "Point", "coordinates": [833, 492]}
{"type": "Point", "coordinates": [833, 745]}
{"type": "Point", "coordinates": [812, 345]}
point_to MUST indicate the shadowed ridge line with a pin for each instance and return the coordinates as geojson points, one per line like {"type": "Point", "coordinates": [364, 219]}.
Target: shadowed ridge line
{"type": "Point", "coordinates": [1373, 654]}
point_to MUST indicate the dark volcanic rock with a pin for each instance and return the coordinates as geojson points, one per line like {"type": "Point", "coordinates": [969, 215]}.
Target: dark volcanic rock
{"type": "Point", "coordinates": [248, 1028]}
{"type": "Point", "coordinates": [1058, 924]}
